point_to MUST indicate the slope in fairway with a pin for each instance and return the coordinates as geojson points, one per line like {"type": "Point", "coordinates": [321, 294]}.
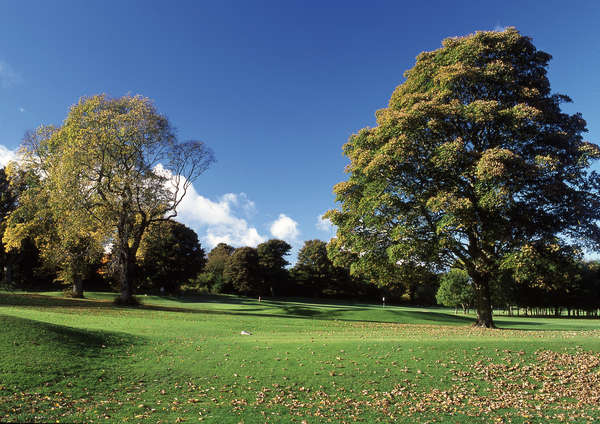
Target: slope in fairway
{"type": "Point", "coordinates": [86, 360]}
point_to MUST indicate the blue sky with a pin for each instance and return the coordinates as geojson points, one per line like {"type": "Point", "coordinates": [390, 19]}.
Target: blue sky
{"type": "Point", "coordinates": [273, 87]}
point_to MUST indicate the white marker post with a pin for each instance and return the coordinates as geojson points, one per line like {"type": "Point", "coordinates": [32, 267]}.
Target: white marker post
{"type": "Point", "coordinates": [383, 300]}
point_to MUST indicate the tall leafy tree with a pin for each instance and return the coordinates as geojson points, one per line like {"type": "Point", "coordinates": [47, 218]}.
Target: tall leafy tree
{"type": "Point", "coordinates": [169, 255]}
{"type": "Point", "coordinates": [37, 222]}
{"type": "Point", "coordinates": [115, 167]}
{"type": "Point", "coordinates": [20, 267]}
{"type": "Point", "coordinates": [215, 265]}
{"type": "Point", "coordinates": [455, 290]}
{"type": "Point", "coordinates": [314, 271]}
{"type": "Point", "coordinates": [243, 271]}
{"type": "Point", "coordinates": [8, 203]}
{"type": "Point", "coordinates": [272, 262]}
{"type": "Point", "coordinates": [472, 160]}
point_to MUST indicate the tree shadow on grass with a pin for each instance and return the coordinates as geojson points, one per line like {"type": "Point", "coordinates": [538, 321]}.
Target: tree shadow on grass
{"type": "Point", "coordinates": [289, 309]}
{"type": "Point", "coordinates": [35, 354]}
{"type": "Point", "coordinates": [439, 317]}
{"type": "Point", "coordinates": [11, 299]}
{"type": "Point", "coordinates": [294, 308]}
{"type": "Point", "coordinates": [22, 331]}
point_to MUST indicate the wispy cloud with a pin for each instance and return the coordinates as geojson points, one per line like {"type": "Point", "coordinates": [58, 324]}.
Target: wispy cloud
{"type": "Point", "coordinates": [21, 109]}
{"type": "Point", "coordinates": [8, 76]}
{"type": "Point", "coordinates": [499, 28]}
{"type": "Point", "coordinates": [285, 228]}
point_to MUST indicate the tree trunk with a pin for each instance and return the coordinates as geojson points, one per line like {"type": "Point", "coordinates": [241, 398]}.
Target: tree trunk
{"type": "Point", "coordinates": [125, 278]}
{"type": "Point", "coordinates": [77, 288]}
{"type": "Point", "coordinates": [123, 274]}
{"type": "Point", "coordinates": [483, 303]}
{"type": "Point", "coordinates": [127, 260]}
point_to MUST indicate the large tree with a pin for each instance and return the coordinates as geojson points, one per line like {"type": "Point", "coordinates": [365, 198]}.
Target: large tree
{"type": "Point", "coordinates": [272, 263]}
{"type": "Point", "coordinates": [243, 271]}
{"type": "Point", "coordinates": [472, 160]}
{"type": "Point", "coordinates": [62, 235]}
{"type": "Point", "coordinates": [169, 255]}
{"type": "Point", "coordinates": [215, 266]}
{"type": "Point", "coordinates": [315, 272]}
{"type": "Point", "coordinates": [20, 266]}
{"type": "Point", "coordinates": [455, 290]}
{"type": "Point", "coordinates": [115, 167]}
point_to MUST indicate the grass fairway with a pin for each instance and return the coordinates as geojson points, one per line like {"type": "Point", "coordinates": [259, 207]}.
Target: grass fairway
{"type": "Point", "coordinates": [185, 361]}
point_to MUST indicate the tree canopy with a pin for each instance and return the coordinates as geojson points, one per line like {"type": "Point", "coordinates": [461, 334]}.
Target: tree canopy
{"type": "Point", "coordinates": [169, 255]}
{"type": "Point", "coordinates": [472, 161]}
{"type": "Point", "coordinates": [455, 290]}
{"type": "Point", "coordinates": [113, 168]}
{"type": "Point", "coordinates": [243, 272]}
{"type": "Point", "coordinates": [272, 262]}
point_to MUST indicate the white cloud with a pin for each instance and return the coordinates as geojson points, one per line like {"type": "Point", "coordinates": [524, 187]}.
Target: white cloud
{"type": "Point", "coordinates": [219, 220]}
{"type": "Point", "coordinates": [21, 109]}
{"type": "Point", "coordinates": [6, 155]}
{"type": "Point", "coordinates": [499, 28]}
{"type": "Point", "coordinates": [324, 224]}
{"type": "Point", "coordinates": [8, 77]}
{"type": "Point", "coordinates": [216, 221]}
{"type": "Point", "coordinates": [285, 228]}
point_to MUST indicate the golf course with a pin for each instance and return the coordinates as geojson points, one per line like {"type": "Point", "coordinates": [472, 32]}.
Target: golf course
{"type": "Point", "coordinates": [186, 360]}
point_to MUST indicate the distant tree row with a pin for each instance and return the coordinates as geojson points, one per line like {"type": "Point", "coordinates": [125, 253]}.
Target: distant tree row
{"type": "Point", "coordinates": [569, 288]}
{"type": "Point", "coordinates": [262, 271]}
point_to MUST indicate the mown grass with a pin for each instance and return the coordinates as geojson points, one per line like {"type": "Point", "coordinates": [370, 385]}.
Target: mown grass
{"type": "Point", "coordinates": [185, 360]}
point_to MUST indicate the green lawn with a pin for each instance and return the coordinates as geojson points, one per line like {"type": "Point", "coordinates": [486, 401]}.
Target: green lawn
{"type": "Point", "coordinates": [185, 360]}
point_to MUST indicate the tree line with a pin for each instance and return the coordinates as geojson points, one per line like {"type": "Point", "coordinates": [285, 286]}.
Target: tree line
{"type": "Point", "coordinates": [171, 261]}
{"type": "Point", "coordinates": [474, 188]}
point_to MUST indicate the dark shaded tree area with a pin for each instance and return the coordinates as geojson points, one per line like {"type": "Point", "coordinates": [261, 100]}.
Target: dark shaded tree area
{"type": "Point", "coordinates": [169, 254]}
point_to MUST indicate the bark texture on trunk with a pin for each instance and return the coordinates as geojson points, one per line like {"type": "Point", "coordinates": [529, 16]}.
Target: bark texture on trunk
{"type": "Point", "coordinates": [124, 277]}
{"type": "Point", "coordinates": [77, 288]}
{"type": "Point", "coordinates": [483, 303]}
{"type": "Point", "coordinates": [127, 259]}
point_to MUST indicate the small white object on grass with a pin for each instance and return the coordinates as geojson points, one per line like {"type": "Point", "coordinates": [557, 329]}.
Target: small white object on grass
{"type": "Point", "coordinates": [245, 333]}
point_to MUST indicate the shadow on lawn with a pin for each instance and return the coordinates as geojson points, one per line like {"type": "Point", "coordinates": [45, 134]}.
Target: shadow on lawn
{"type": "Point", "coordinates": [288, 309]}
{"type": "Point", "coordinates": [440, 317]}
{"type": "Point", "coordinates": [24, 299]}
{"type": "Point", "coordinates": [23, 331]}
{"type": "Point", "coordinates": [38, 355]}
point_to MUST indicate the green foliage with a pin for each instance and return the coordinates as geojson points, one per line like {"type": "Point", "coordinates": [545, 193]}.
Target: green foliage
{"type": "Point", "coordinates": [313, 271]}
{"type": "Point", "coordinates": [111, 170]}
{"type": "Point", "coordinates": [316, 276]}
{"type": "Point", "coordinates": [242, 270]}
{"type": "Point", "coordinates": [472, 160]}
{"type": "Point", "coordinates": [456, 290]}
{"type": "Point", "coordinates": [22, 265]}
{"type": "Point", "coordinates": [201, 284]}
{"type": "Point", "coordinates": [169, 255]}
{"type": "Point", "coordinates": [215, 265]}
{"type": "Point", "coordinates": [217, 258]}
{"type": "Point", "coordinates": [272, 262]}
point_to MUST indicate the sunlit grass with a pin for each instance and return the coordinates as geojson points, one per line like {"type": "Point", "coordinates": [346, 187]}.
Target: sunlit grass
{"type": "Point", "coordinates": [186, 359]}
